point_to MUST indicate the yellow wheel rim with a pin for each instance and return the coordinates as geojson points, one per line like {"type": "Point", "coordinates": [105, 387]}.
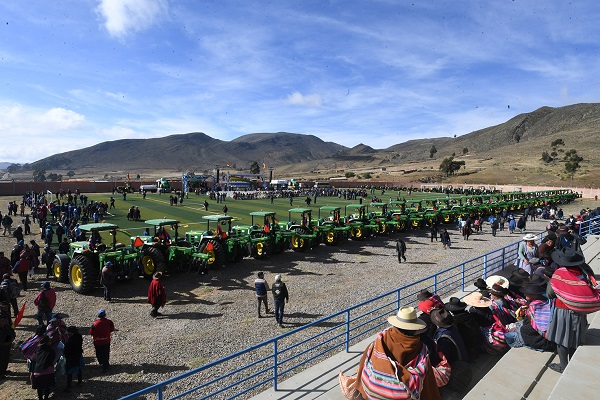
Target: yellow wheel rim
{"type": "Point", "coordinates": [383, 227]}
{"type": "Point", "coordinates": [330, 237]}
{"type": "Point", "coordinates": [56, 269]}
{"type": "Point", "coordinates": [211, 256]}
{"type": "Point", "coordinates": [358, 232]}
{"type": "Point", "coordinates": [76, 276]}
{"type": "Point", "coordinates": [148, 265]}
{"type": "Point", "coordinates": [259, 248]}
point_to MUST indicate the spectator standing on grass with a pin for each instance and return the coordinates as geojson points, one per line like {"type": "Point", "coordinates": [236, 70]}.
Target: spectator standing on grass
{"type": "Point", "coordinates": [205, 205]}
{"type": "Point", "coordinates": [101, 331]}
{"type": "Point", "coordinates": [280, 297]}
{"type": "Point", "coordinates": [262, 288]}
{"type": "Point", "coordinates": [156, 294]}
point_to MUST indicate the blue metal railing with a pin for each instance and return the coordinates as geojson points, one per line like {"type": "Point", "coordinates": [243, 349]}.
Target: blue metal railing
{"type": "Point", "coordinates": [267, 363]}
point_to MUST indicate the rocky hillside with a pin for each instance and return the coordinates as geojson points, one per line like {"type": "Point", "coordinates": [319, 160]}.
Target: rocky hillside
{"type": "Point", "coordinates": [507, 152]}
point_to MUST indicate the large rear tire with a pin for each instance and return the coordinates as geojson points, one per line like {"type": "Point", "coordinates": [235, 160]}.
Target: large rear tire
{"type": "Point", "coordinates": [217, 254]}
{"type": "Point", "coordinates": [82, 275]}
{"type": "Point", "coordinates": [152, 261]}
{"type": "Point", "coordinates": [60, 268]}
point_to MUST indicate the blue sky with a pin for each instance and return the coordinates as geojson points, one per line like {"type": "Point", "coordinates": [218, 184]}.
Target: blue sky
{"type": "Point", "coordinates": [78, 72]}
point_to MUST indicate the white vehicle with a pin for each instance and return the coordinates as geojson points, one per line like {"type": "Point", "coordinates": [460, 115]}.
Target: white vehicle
{"type": "Point", "coordinates": [148, 188]}
{"type": "Point", "coordinates": [322, 185]}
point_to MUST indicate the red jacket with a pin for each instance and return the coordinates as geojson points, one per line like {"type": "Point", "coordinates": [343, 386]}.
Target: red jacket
{"type": "Point", "coordinates": [22, 265]}
{"type": "Point", "coordinates": [50, 300]}
{"type": "Point", "coordinates": [101, 330]}
{"type": "Point", "coordinates": [156, 292]}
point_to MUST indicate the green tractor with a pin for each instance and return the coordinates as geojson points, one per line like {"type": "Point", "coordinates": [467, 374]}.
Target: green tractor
{"type": "Point", "coordinates": [306, 235]}
{"type": "Point", "coordinates": [219, 245]}
{"type": "Point", "coordinates": [269, 239]}
{"type": "Point", "coordinates": [81, 267]}
{"type": "Point", "coordinates": [337, 232]}
{"type": "Point", "coordinates": [360, 224]}
{"type": "Point", "coordinates": [379, 217]}
{"type": "Point", "coordinates": [416, 215]}
{"type": "Point", "coordinates": [160, 249]}
{"type": "Point", "coordinates": [398, 221]}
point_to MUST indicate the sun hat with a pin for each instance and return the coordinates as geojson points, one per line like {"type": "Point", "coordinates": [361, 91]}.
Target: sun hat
{"type": "Point", "coordinates": [529, 236]}
{"type": "Point", "coordinates": [567, 257]}
{"type": "Point", "coordinates": [442, 318]}
{"type": "Point", "coordinates": [455, 304]}
{"type": "Point", "coordinates": [476, 299]}
{"type": "Point", "coordinates": [407, 319]}
{"type": "Point", "coordinates": [491, 280]}
{"type": "Point", "coordinates": [101, 313]}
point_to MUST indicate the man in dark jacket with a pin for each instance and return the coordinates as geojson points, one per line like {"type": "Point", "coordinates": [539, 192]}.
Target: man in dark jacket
{"type": "Point", "coordinates": [401, 250]}
{"type": "Point", "coordinates": [262, 287]}
{"type": "Point", "coordinates": [280, 297]}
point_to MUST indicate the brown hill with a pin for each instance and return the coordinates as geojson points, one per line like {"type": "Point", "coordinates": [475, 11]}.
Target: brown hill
{"type": "Point", "coordinates": [506, 153]}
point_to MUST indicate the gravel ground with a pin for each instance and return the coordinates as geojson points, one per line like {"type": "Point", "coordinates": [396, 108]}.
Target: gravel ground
{"type": "Point", "coordinates": [209, 317]}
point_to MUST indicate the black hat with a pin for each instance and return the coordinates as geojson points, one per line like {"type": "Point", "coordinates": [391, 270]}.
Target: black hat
{"type": "Point", "coordinates": [531, 288]}
{"type": "Point", "coordinates": [424, 294]}
{"type": "Point", "coordinates": [442, 318]}
{"type": "Point", "coordinates": [499, 291]}
{"type": "Point", "coordinates": [549, 236]}
{"type": "Point", "coordinates": [517, 281]}
{"type": "Point", "coordinates": [454, 304]}
{"type": "Point", "coordinates": [521, 273]}
{"type": "Point", "coordinates": [567, 257]}
{"type": "Point", "coordinates": [538, 279]}
{"type": "Point", "coordinates": [480, 284]}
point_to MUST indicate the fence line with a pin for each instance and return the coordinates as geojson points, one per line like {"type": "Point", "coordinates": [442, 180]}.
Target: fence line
{"type": "Point", "coordinates": [276, 359]}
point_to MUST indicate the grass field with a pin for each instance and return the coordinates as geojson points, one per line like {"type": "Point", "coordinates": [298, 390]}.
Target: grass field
{"type": "Point", "coordinates": [190, 213]}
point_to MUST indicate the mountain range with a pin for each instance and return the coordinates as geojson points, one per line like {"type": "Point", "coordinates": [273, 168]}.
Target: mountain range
{"type": "Point", "coordinates": [510, 151]}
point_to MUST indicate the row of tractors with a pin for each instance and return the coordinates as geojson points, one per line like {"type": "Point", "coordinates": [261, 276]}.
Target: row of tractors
{"type": "Point", "coordinates": [222, 240]}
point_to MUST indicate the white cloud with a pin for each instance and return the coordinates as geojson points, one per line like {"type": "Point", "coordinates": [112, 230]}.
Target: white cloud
{"type": "Point", "coordinates": [121, 17]}
{"type": "Point", "coordinates": [23, 121]}
{"type": "Point", "coordinates": [309, 100]}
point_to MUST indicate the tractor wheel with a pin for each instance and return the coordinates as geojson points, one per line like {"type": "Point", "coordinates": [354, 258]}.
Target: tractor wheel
{"type": "Point", "coordinates": [339, 237]}
{"type": "Point", "coordinates": [298, 243]}
{"type": "Point", "coordinates": [217, 254]}
{"type": "Point", "coordinates": [383, 228]}
{"type": "Point", "coordinates": [357, 233]}
{"type": "Point", "coordinates": [264, 249]}
{"type": "Point", "coordinates": [330, 238]}
{"type": "Point", "coordinates": [239, 254]}
{"type": "Point", "coordinates": [402, 226]}
{"type": "Point", "coordinates": [152, 261]}
{"type": "Point", "coordinates": [82, 275]}
{"type": "Point", "coordinates": [60, 268]}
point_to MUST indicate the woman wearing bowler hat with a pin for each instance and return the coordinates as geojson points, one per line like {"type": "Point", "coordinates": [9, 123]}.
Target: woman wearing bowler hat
{"type": "Point", "coordinates": [466, 324]}
{"type": "Point", "coordinates": [528, 249]}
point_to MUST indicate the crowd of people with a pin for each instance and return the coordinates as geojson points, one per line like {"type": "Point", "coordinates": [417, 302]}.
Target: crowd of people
{"type": "Point", "coordinates": [542, 305]}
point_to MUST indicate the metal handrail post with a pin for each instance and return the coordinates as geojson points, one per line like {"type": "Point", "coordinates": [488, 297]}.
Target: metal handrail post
{"type": "Point", "coordinates": [347, 331]}
{"type": "Point", "coordinates": [463, 276]}
{"type": "Point", "coordinates": [275, 365]}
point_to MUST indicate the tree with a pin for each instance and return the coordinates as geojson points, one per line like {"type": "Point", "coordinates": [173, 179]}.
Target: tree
{"type": "Point", "coordinates": [71, 174]}
{"type": "Point", "coordinates": [367, 175]}
{"type": "Point", "coordinates": [546, 157]}
{"type": "Point", "coordinates": [254, 168]}
{"type": "Point", "coordinates": [349, 174]}
{"type": "Point", "coordinates": [465, 151]}
{"type": "Point", "coordinates": [39, 175]}
{"type": "Point", "coordinates": [572, 162]}
{"type": "Point", "coordinates": [449, 166]}
{"type": "Point", "coordinates": [432, 151]}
